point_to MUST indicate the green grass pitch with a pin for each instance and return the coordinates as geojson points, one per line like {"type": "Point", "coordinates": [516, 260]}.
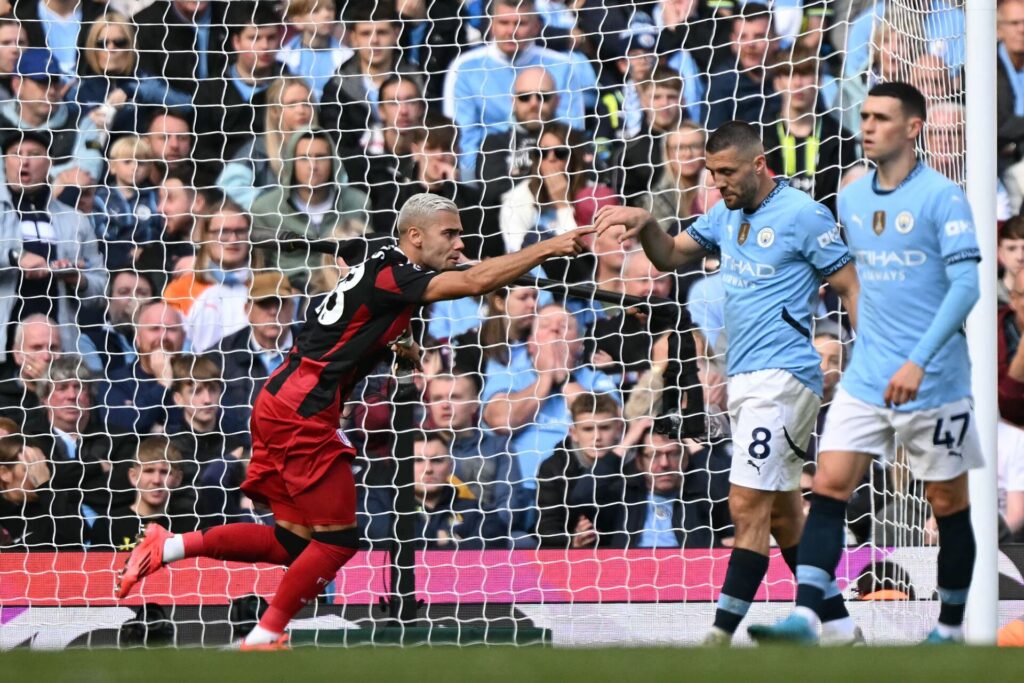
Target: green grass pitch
{"type": "Point", "coordinates": [494, 664]}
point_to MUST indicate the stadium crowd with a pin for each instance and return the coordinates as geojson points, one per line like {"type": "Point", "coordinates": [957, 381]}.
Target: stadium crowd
{"type": "Point", "coordinates": [155, 151]}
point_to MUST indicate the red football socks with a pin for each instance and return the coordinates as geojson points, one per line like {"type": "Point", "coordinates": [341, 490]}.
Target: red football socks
{"type": "Point", "coordinates": [309, 573]}
{"type": "Point", "coordinates": [237, 543]}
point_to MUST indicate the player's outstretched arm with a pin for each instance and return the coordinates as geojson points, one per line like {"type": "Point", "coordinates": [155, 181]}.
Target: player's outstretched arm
{"type": "Point", "coordinates": [503, 270]}
{"type": "Point", "coordinates": [664, 251]}
{"type": "Point", "coordinates": [847, 286]}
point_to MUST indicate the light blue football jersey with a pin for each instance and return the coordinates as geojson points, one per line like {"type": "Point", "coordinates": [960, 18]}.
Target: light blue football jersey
{"type": "Point", "coordinates": [773, 261]}
{"type": "Point", "coordinates": [902, 240]}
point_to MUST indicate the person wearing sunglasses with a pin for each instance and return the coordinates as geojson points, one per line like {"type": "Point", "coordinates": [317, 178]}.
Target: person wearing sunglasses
{"type": "Point", "coordinates": [507, 156]}
{"type": "Point", "coordinates": [556, 196]}
{"type": "Point", "coordinates": [112, 85]}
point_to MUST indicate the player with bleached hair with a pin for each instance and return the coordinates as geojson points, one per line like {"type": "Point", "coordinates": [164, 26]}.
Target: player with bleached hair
{"type": "Point", "coordinates": [301, 464]}
{"type": "Point", "coordinates": [912, 232]}
{"type": "Point", "coordinates": [776, 246]}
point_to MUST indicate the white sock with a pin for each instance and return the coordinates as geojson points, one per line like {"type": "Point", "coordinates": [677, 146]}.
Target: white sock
{"type": "Point", "coordinates": [947, 631]}
{"type": "Point", "coordinates": [838, 629]}
{"type": "Point", "coordinates": [174, 549]}
{"type": "Point", "coordinates": [261, 636]}
{"type": "Point", "coordinates": [808, 615]}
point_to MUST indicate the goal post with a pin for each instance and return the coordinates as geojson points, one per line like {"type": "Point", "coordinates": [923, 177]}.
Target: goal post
{"type": "Point", "coordinates": [980, 79]}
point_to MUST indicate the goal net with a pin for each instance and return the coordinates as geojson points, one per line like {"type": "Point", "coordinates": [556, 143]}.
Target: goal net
{"type": "Point", "coordinates": [176, 175]}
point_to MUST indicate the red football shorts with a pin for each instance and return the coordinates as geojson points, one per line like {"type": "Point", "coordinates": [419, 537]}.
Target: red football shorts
{"type": "Point", "coordinates": [300, 467]}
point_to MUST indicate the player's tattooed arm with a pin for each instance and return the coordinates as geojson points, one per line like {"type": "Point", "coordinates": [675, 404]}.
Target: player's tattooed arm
{"type": "Point", "coordinates": [664, 251]}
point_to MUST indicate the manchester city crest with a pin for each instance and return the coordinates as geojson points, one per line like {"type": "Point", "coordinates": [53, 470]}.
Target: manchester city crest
{"type": "Point", "coordinates": [904, 222]}
{"type": "Point", "coordinates": [765, 238]}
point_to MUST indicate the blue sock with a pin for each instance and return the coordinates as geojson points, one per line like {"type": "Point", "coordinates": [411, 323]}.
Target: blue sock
{"type": "Point", "coordinates": [832, 606]}
{"type": "Point", "coordinates": [742, 579]}
{"type": "Point", "coordinates": [820, 549]}
{"type": "Point", "coordinates": [956, 565]}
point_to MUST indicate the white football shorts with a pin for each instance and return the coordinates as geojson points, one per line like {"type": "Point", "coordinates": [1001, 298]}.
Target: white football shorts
{"type": "Point", "coordinates": [772, 415]}
{"type": "Point", "coordinates": [941, 443]}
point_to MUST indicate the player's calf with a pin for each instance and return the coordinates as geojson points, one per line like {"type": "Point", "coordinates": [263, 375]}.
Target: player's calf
{"type": "Point", "coordinates": [313, 569]}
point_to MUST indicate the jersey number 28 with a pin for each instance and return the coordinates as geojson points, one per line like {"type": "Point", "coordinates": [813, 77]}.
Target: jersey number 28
{"type": "Point", "coordinates": [332, 308]}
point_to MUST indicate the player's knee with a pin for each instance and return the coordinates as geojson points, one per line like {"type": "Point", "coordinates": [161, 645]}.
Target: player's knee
{"type": "Point", "coordinates": [343, 538]}
{"type": "Point", "coordinates": [946, 498]}
{"type": "Point", "coordinates": [750, 515]}
{"type": "Point", "coordinates": [292, 543]}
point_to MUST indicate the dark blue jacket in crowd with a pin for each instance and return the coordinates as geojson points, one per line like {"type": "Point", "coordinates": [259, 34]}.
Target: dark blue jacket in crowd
{"type": "Point", "coordinates": [123, 224]}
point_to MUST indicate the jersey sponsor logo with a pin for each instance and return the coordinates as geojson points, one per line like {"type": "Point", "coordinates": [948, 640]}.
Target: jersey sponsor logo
{"type": "Point", "coordinates": [829, 237]}
{"type": "Point", "coordinates": [742, 236]}
{"type": "Point", "coordinates": [904, 222]}
{"type": "Point", "coordinates": [878, 222]}
{"type": "Point", "coordinates": [766, 238]}
{"type": "Point", "coordinates": [887, 259]}
{"type": "Point", "coordinates": [954, 228]}
{"type": "Point", "coordinates": [746, 268]}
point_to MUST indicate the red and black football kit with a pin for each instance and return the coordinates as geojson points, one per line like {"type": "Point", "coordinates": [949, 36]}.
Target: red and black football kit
{"type": "Point", "coordinates": [301, 461]}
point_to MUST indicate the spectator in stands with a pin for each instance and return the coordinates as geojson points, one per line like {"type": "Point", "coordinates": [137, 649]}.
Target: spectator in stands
{"type": "Point", "coordinates": [527, 402]}
{"type": "Point", "coordinates": [313, 200]}
{"type": "Point", "coordinates": [126, 217]}
{"type": "Point", "coordinates": [154, 475]}
{"type": "Point", "coordinates": [433, 170]}
{"type": "Point", "coordinates": [880, 61]}
{"type": "Point", "coordinates": [449, 515]}
{"type": "Point", "coordinates": [1010, 94]}
{"type": "Point", "coordinates": [555, 198]}
{"type": "Point", "coordinates": [1011, 355]}
{"type": "Point", "coordinates": [477, 87]}
{"type": "Point", "coordinates": [107, 334]}
{"type": "Point", "coordinates": [58, 266]}
{"type": "Point", "coordinates": [39, 107]}
{"type": "Point", "coordinates": [682, 191]}
{"type": "Point", "coordinates": [739, 85]}
{"type": "Point", "coordinates": [212, 296]}
{"type": "Point", "coordinates": [230, 107]}
{"type": "Point", "coordinates": [169, 134]}
{"type": "Point", "coordinates": [636, 66]}
{"type": "Point", "coordinates": [402, 110]}
{"type": "Point", "coordinates": [251, 354]}
{"type": "Point", "coordinates": [564, 519]}
{"type": "Point", "coordinates": [178, 207]}
{"type": "Point", "coordinates": [212, 452]}
{"type": "Point", "coordinates": [84, 457]}
{"type": "Point", "coordinates": [1010, 254]}
{"type": "Point", "coordinates": [453, 405]}
{"type": "Point", "coordinates": [350, 99]}
{"type": "Point", "coordinates": [33, 516]}
{"type": "Point", "coordinates": [507, 156]}
{"type": "Point", "coordinates": [660, 499]}
{"type": "Point", "coordinates": [700, 28]}
{"type": "Point", "coordinates": [945, 137]}
{"type": "Point", "coordinates": [627, 336]}
{"type": "Point", "coordinates": [257, 165]}
{"type": "Point", "coordinates": [13, 40]}
{"type": "Point", "coordinates": [498, 338]}
{"type": "Point", "coordinates": [930, 74]}
{"type": "Point", "coordinates": [638, 162]}
{"type": "Point", "coordinates": [191, 41]}
{"type": "Point", "coordinates": [1010, 468]}
{"type": "Point", "coordinates": [135, 398]}
{"type": "Point", "coordinates": [35, 342]}
{"type": "Point", "coordinates": [314, 53]}
{"type": "Point", "coordinates": [804, 144]}
{"type": "Point", "coordinates": [58, 24]}
{"type": "Point", "coordinates": [112, 85]}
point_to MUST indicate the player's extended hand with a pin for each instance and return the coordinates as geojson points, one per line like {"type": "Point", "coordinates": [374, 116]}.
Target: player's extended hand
{"type": "Point", "coordinates": [570, 243]}
{"type": "Point", "coordinates": [407, 352]}
{"type": "Point", "coordinates": [904, 384]}
{"type": "Point", "coordinates": [632, 220]}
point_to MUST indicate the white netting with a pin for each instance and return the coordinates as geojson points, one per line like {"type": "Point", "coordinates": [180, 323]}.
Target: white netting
{"type": "Point", "coordinates": [142, 313]}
